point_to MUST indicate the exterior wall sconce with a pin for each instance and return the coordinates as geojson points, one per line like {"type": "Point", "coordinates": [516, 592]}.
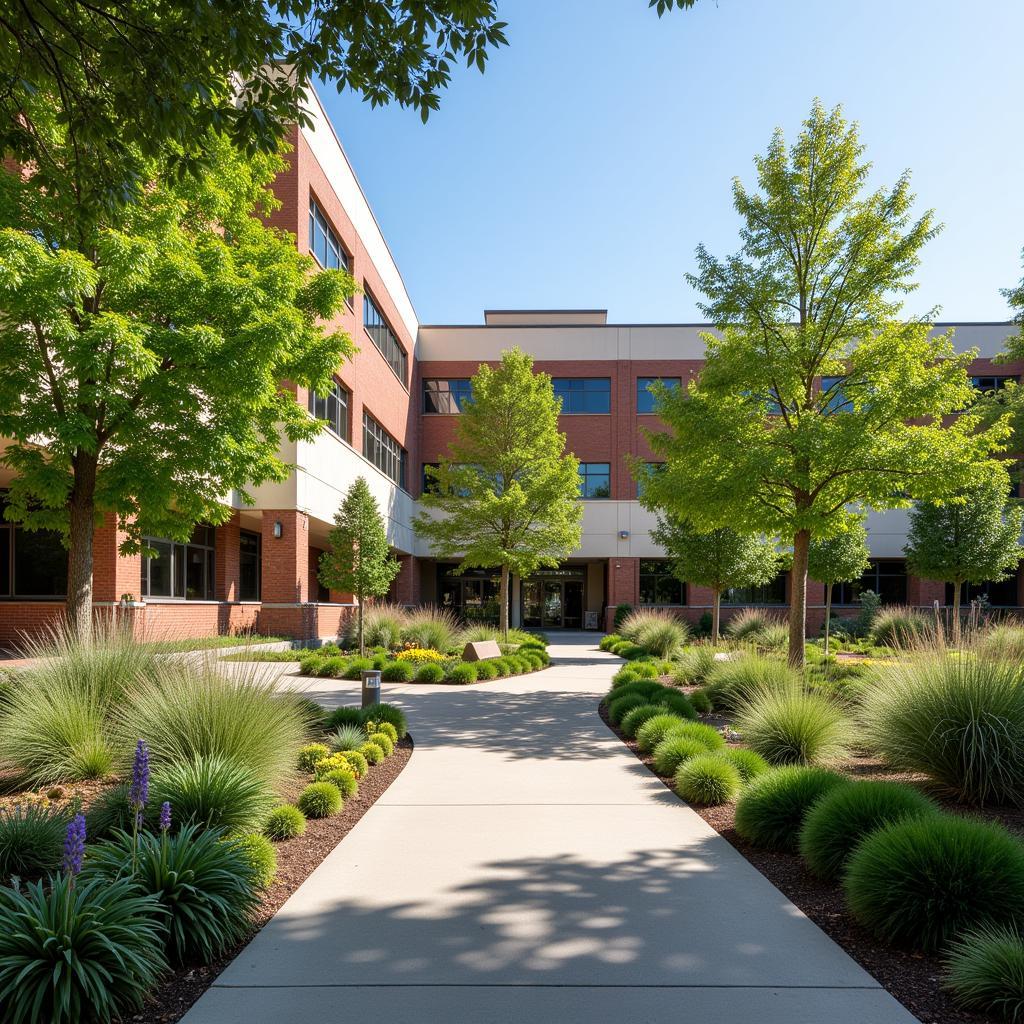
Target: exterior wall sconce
{"type": "Point", "coordinates": [623, 534]}
{"type": "Point", "coordinates": [278, 529]}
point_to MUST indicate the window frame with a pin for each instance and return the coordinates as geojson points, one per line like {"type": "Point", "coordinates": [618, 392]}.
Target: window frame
{"type": "Point", "coordinates": [643, 395]}
{"type": "Point", "coordinates": [667, 573]}
{"type": "Point", "coordinates": [343, 397]}
{"type": "Point", "coordinates": [243, 556]}
{"type": "Point", "coordinates": [584, 474]}
{"type": "Point", "coordinates": [178, 565]}
{"type": "Point", "coordinates": [384, 338]}
{"type": "Point", "coordinates": [319, 220]}
{"type": "Point", "coordinates": [871, 580]}
{"type": "Point", "coordinates": [565, 393]}
{"type": "Point", "coordinates": [759, 596]}
{"type": "Point", "coordinates": [455, 396]}
{"type": "Point", "coordinates": [394, 452]}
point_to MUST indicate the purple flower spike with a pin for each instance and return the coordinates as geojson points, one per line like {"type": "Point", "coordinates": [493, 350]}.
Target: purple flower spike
{"type": "Point", "coordinates": [165, 816]}
{"type": "Point", "coordinates": [139, 793]}
{"type": "Point", "coordinates": [74, 845]}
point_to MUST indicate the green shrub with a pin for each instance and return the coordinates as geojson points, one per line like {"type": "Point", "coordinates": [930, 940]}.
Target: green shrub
{"type": "Point", "coordinates": [638, 687]}
{"type": "Point", "coordinates": [331, 667]}
{"type": "Point", "coordinates": [1003, 641]}
{"type": "Point", "coordinates": [626, 674]}
{"type": "Point", "coordinates": [751, 624]}
{"type": "Point", "coordinates": [486, 669]}
{"type": "Point", "coordinates": [985, 972]}
{"type": "Point", "coordinates": [621, 613]}
{"type": "Point", "coordinates": [319, 800]}
{"type": "Point", "coordinates": [463, 673]}
{"type": "Point", "coordinates": [618, 707]}
{"type": "Point", "coordinates": [398, 672]}
{"type": "Point", "coordinates": [707, 779]}
{"type": "Point", "coordinates": [771, 810]}
{"type": "Point", "coordinates": [631, 651]}
{"type": "Point", "coordinates": [730, 683]}
{"type": "Point", "coordinates": [660, 633]}
{"type": "Point", "coordinates": [655, 729]}
{"type": "Point", "coordinates": [434, 628]}
{"type": "Point", "coordinates": [212, 792]}
{"type": "Point", "coordinates": [678, 703]}
{"type": "Point", "coordinates": [642, 669]}
{"type": "Point", "coordinates": [372, 725]}
{"type": "Point", "coordinates": [431, 672]}
{"type": "Point", "coordinates": [31, 840]}
{"type": "Point", "coordinates": [793, 726]}
{"type": "Point", "coordinates": [479, 632]}
{"type": "Point", "coordinates": [895, 626]}
{"type": "Point", "coordinates": [372, 753]}
{"type": "Point", "coordinates": [260, 857]}
{"type": "Point", "coordinates": [675, 750]}
{"type": "Point", "coordinates": [345, 737]}
{"type": "Point", "coordinates": [632, 720]}
{"type": "Point", "coordinates": [313, 752]}
{"type": "Point", "coordinates": [385, 713]}
{"type": "Point", "coordinates": [382, 627]}
{"type": "Point", "coordinates": [347, 715]}
{"type": "Point", "coordinates": [843, 817]}
{"type": "Point", "coordinates": [344, 779]}
{"type": "Point", "coordinates": [535, 658]}
{"type": "Point", "coordinates": [921, 882]}
{"type": "Point", "coordinates": [384, 741]}
{"type": "Point", "coordinates": [186, 712]}
{"type": "Point", "coordinates": [958, 720]}
{"type": "Point", "coordinates": [355, 668]}
{"type": "Point", "coordinates": [356, 761]}
{"type": "Point", "coordinates": [109, 931]}
{"type": "Point", "coordinates": [608, 641]}
{"type": "Point", "coordinates": [748, 763]}
{"type": "Point", "coordinates": [700, 701]}
{"type": "Point", "coordinates": [284, 822]}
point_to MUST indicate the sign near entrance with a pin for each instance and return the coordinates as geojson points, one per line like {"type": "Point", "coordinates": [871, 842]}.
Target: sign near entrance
{"type": "Point", "coordinates": [481, 649]}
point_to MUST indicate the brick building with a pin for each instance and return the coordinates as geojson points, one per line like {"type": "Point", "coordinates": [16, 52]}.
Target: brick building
{"type": "Point", "coordinates": [392, 410]}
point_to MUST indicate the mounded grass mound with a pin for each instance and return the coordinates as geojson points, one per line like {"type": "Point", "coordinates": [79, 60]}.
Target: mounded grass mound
{"type": "Point", "coordinates": [398, 672]}
{"type": "Point", "coordinates": [985, 972]}
{"type": "Point", "coordinates": [618, 707]}
{"type": "Point", "coordinates": [707, 779]}
{"type": "Point", "coordinates": [655, 729]}
{"type": "Point", "coordinates": [632, 720]}
{"type": "Point", "coordinates": [896, 626]}
{"type": "Point", "coordinates": [792, 725]}
{"type": "Point", "coordinates": [463, 673]}
{"type": "Point", "coordinates": [284, 822]}
{"type": "Point", "coordinates": [737, 680]}
{"type": "Point", "coordinates": [748, 763]}
{"type": "Point", "coordinates": [429, 673]}
{"type": "Point", "coordinates": [319, 800]}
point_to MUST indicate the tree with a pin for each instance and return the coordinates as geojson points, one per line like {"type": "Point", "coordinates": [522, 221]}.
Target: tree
{"type": "Point", "coordinates": [814, 396]}
{"type": "Point", "coordinates": [717, 559]}
{"type": "Point", "coordinates": [840, 558]}
{"type": "Point", "coordinates": [358, 559]}
{"type": "Point", "coordinates": [972, 538]}
{"type": "Point", "coordinates": [506, 495]}
{"type": "Point", "coordinates": [141, 364]}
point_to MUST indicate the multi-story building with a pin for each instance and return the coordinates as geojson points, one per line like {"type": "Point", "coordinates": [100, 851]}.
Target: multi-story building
{"type": "Point", "coordinates": [391, 412]}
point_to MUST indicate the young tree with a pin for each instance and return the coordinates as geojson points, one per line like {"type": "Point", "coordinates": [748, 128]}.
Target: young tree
{"type": "Point", "coordinates": [838, 559]}
{"type": "Point", "coordinates": [507, 493]}
{"type": "Point", "coordinates": [972, 538]}
{"type": "Point", "coordinates": [815, 395]}
{"type": "Point", "coordinates": [141, 363]}
{"type": "Point", "coordinates": [358, 559]}
{"type": "Point", "coordinates": [717, 559]}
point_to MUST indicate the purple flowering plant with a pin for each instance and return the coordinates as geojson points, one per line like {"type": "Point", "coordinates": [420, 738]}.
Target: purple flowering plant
{"type": "Point", "coordinates": [138, 793]}
{"type": "Point", "coordinates": [74, 846]}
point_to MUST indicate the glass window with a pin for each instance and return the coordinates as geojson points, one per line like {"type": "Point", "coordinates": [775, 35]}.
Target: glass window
{"type": "Point", "coordinates": [657, 584]}
{"type": "Point", "coordinates": [250, 551]}
{"type": "Point", "coordinates": [183, 571]}
{"type": "Point", "coordinates": [644, 398]}
{"type": "Point", "coordinates": [446, 396]}
{"type": "Point", "coordinates": [886, 577]}
{"type": "Point", "coordinates": [837, 401]}
{"type": "Point", "coordinates": [992, 382]}
{"type": "Point", "coordinates": [595, 480]}
{"type": "Point", "coordinates": [384, 338]}
{"type": "Point", "coordinates": [5, 557]}
{"type": "Point", "coordinates": [383, 450]}
{"type": "Point", "coordinates": [40, 564]}
{"type": "Point", "coordinates": [583, 394]}
{"type": "Point", "coordinates": [332, 409]}
{"type": "Point", "coordinates": [1002, 594]}
{"type": "Point", "coordinates": [767, 593]}
{"type": "Point", "coordinates": [650, 468]}
{"type": "Point", "coordinates": [323, 242]}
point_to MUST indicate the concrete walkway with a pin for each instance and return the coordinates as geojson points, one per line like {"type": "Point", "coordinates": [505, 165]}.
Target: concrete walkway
{"type": "Point", "coordinates": [526, 867]}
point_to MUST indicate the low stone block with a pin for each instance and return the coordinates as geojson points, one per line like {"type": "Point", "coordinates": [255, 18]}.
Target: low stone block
{"type": "Point", "coordinates": [480, 650]}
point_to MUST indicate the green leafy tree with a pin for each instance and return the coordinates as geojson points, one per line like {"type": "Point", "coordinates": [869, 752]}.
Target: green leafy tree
{"type": "Point", "coordinates": [972, 538]}
{"type": "Point", "coordinates": [816, 394]}
{"type": "Point", "coordinates": [840, 558]}
{"type": "Point", "coordinates": [506, 496]}
{"type": "Point", "coordinates": [141, 363]}
{"type": "Point", "coordinates": [717, 559]}
{"type": "Point", "coordinates": [358, 559]}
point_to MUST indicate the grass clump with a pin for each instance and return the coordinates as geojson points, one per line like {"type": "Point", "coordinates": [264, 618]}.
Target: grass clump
{"type": "Point", "coordinates": [486, 670]}
{"type": "Point", "coordinates": [390, 713]}
{"type": "Point", "coordinates": [260, 857]}
{"type": "Point", "coordinates": [793, 726]}
{"type": "Point", "coordinates": [31, 840]}
{"type": "Point", "coordinates": [345, 737]}
{"type": "Point", "coordinates": [398, 672]}
{"type": "Point", "coordinates": [313, 752]}
{"type": "Point", "coordinates": [985, 972]}
{"type": "Point", "coordinates": [748, 763]}
{"type": "Point", "coordinates": [356, 761]}
{"type": "Point", "coordinates": [344, 779]}
{"type": "Point", "coordinates": [736, 680]}
{"type": "Point", "coordinates": [608, 641]}
{"type": "Point", "coordinates": [284, 822]}
{"type": "Point", "coordinates": [384, 741]}
{"type": "Point", "coordinates": [843, 817]}
{"type": "Point", "coordinates": [382, 627]}
{"type": "Point", "coordinates": [896, 626]}
{"type": "Point", "coordinates": [700, 701]}
{"type": "Point", "coordinates": [434, 628]}
{"type": "Point", "coordinates": [372, 752]}
{"type": "Point", "coordinates": [707, 779]}
{"type": "Point", "coordinates": [463, 673]}
{"type": "Point", "coordinates": [771, 810]}
{"type": "Point", "coordinates": [675, 750]}
{"type": "Point", "coordinates": [619, 706]}
{"type": "Point", "coordinates": [429, 674]}
{"type": "Point", "coordinates": [752, 625]}
{"type": "Point", "coordinates": [654, 730]}
{"type": "Point", "coordinates": [319, 800]}
{"type": "Point", "coordinates": [633, 719]}
{"type": "Point", "coordinates": [924, 881]}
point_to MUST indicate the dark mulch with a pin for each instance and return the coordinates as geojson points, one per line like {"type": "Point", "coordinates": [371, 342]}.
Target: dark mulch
{"type": "Point", "coordinates": [296, 861]}
{"type": "Point", "coordinates": [912, 978]}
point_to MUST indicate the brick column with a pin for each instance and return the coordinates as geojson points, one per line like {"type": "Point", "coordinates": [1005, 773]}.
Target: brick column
{"type": "Point", "coordinates": [285, 580]}
{"type": "Point", "coordinates": [113, 574]}
{"type": "Point", "coordinates": [226, 556]}
{"type": "Point", "coordinates": [406, 587]}
{"type": "Point", "coordinates": [924, 592]}
{"type": "Point", "coordinates": [623, 585]}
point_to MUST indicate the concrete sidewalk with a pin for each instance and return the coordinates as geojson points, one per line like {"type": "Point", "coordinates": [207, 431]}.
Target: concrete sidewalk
{"type": "Point", "coordinates": [526, 867]}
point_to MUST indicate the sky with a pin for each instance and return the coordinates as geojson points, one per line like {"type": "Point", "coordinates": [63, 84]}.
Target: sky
{"type": "Point", "coordinates": [584, 166]}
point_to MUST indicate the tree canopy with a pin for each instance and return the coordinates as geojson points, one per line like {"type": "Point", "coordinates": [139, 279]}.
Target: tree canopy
{"type": "Point", "coordinates": [817, 392]}
{"type": "Point", "coordinates": [506, 493]}
{"type": "Point", "coordinates": [358, 559]}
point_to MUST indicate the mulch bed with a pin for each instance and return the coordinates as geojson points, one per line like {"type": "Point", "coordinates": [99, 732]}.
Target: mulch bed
{"type": "Point", "coordinates": [912, 978]}
{"type": "Point", "coordinates": [296, 861]}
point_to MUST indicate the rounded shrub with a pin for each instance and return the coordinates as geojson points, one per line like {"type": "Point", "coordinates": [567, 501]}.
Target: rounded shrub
{"type": "Point", "coordinates": [631, 651]}
{"type": "Point", "coordinates": [642, 669]}
{"type": "Point", "coordinates": [319, 800]}
{"type": "Point", "coordinates": [655, 729]}
{"type": "Point", "coordinates": [730, 683]}
{"type": "Point", "coordinates": [372, 752]}
{"type": "Point", "coordinates": [678, 703]}
{"type": "Point", "coordinates": [535, 658]}
{"type": "Point", "coordinates": [284, 822]}
{"type": "Point", "coordinates": [387, 728]}
{"type": "Point", "coordinates": [310, 754]}
{"type": "Point", "coordinates": [626, 674]}
{"type": "Point", "coordinates": [356, 667]}
{"type": "Point", "coordinates": [344, 779]}
{"type": "Point", "coordinates": [700, 701]}
{"type": "Point", "coordinates": [841, 819]}
{"type": "Point", "coordinates": [645, 688]}
{"type": "Point", "coordinates": [429, 673]}
{"type": "Point", "coordinates": [502, 666]}
{"type": "Point", "coordinates": [632, 720]}
{"type": "Point", "coordinates": [608, 641]}
{"type": "Point", "coordinates": [747, 762]}
{"type": "Point", "coordinates": [259, 854]}
{"type": "Point", "coordinates": [486, 670]}
{"type": "Point", "coordinates": [398, 672]}
{"type": "Point", "coordinates": [385, 713]}
{"type": "Point", "coordinates": [384, 741]}
{"type": "Point", "coordinates": [346, 715]}
{"type": "Point", "coordinates": [463, 673]}
{"type": "Point", "coordinates": [356, 761]}
{"type": "Point", "coordinates": [793, 726]}
{"type": "Point", "coordinates": [675, 750]}
{"type": "Point", "coordinates": [921, 882]}
{"type": "Point", "coordinates": [618, 707]}
{"type": "Point", "coordinates": [985, 972]}
{"type": "Point", "coordinates": [771, 810]}
{"type": "Point", "coordinates": [707, 779]}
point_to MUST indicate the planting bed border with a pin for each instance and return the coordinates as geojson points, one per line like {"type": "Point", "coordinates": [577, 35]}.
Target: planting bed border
{"type": "Point", "coordinates": [297, 858]}
{"type": "Point", "coordinates": [913, 978]}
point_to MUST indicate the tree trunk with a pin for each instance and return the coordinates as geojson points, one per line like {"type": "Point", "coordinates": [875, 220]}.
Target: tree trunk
{"type": "Point", "coordinates": [957, 587]}
{"type": "Point", "coordinates": [362, 646]}
{"type": "Point", "coordinates": [828, 614]}
{"type": "Point", "coordinates": [798, 599]}
{"type": "Point", "coordinates": [716, 615]}
{"type": "Point", "coordinates": [503, 604]}
{"type": "Point", "coordinates": [82, 524]}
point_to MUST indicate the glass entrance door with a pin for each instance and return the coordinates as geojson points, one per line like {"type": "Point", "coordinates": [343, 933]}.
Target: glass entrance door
{"type": "Point", "coordinates": [572, 604]}
{"type": "Point", "coordinates": [553, 603]}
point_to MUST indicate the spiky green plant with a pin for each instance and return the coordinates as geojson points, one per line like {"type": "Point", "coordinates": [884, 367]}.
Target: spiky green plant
{"type": "Point", "coordinates": [735, 680]}
{"type": "Point", "coordinates": [707, 779]}
{"type": "Point", "coordinates": [792, 725]}
{"type": "Point", "coordinates": [382, 627]}
{"type": "Point", "coordinates": [985, 972]}
{"type": "Point", "coordinates": [433, 628]}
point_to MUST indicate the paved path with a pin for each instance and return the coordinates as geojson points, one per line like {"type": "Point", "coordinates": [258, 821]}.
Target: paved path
{"type": "Point", "coordinates": [525, 867]}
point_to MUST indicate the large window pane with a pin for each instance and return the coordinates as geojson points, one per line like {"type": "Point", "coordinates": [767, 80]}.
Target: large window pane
{"type": "Point", "coordinates": [249, 555]}
{"type": "Point", "coordinates": [595, 480]}
{"type": "Point", "coordinates": [657, 584]}
{"type": "Point", "coordinates": [333, 409]}
{"type": "Point", "coordinates": [384, 338]}
{"type": "Point", "coordinates": [5, 560]}
{"type": "Point", "coordinates": [446, 396]}
{"type": "Point", "coordinates": [644, 398]}
{"type": "Point", "coordinates": [383, 450]}
{"type": "Point", "coordinates": [769, 593]}
{"type": "Point", "coordinates": [583, 394]}
{"type": "Point", "coordinates": [183, 571]}
{"type": "Point", "coordinates": [323, 242]}
{"type": "Point", "coordinates": [40, 564]}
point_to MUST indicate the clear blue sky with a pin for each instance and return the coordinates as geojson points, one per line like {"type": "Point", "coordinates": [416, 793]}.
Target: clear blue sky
{"type": "Point", "coordinates": [598, 149]}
